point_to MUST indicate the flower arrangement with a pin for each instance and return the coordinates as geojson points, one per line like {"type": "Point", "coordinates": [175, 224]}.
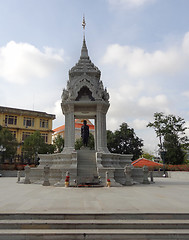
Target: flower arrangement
{"type": "Point", "coordinates": [67, 179]}
{"type": "Point", "coordinates": [108, 184]}
{"type": "Point", "coordinates": [183, 167]}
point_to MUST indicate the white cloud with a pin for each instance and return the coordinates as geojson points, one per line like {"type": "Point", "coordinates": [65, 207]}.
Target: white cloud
{"type": "Point", "coordinates": [146, 82]}
{"type": "Point", "coordinates": [127, 103]}
{"type": "Point", "coordinates": [123, 101]}
{"type": "Point", "coordinates": [158, 102]}
{"type": "Point", "coordinates": [185, 44]}
{"type": "Point", "coordinates": [186, 94]}
{"type": "Point", "coordinates": [187, 130]}
{"type": "Point", "coordinates": [125, 4]}
{"type": "Point", "coordinates": [138, 62]}
{"type": "Point", "coordinates": [22, 62]}
{"type": "Point", "coordinates": [58, 112]}
{"type": "Point", "coordinates": [140, 123]}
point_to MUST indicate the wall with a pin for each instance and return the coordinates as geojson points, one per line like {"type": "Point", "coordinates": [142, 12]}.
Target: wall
{"type": "Point", "coordinates": [6, 173]}
{"type": "Point", "coordinates": [178, 175]}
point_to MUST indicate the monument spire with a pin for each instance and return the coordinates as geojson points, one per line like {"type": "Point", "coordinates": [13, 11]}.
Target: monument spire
{"type": "Point", "coordinates": [84, 64]}
{"type": "Point", "coordinates": [84, 51]}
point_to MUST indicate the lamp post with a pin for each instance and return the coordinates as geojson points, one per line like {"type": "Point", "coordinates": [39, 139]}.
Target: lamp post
{"type": "Point", "coordinates": [2, 149]}
{"type": "Point", "coordinates": [162, 154]}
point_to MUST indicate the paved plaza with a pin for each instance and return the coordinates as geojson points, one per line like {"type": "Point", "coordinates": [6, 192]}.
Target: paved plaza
{"type": "Point", "coordinates": [166, 195]}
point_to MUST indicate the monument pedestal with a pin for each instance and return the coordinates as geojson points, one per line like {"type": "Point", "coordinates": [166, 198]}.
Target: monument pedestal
{"type": "Point", "coordinates": [59, 164]}
{"type": "Point", "coordinates": [87, 167]}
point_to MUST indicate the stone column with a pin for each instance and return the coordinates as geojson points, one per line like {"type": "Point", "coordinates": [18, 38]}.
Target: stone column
{"type": "Point", "coordinates": [27, 175]}
{"type": "Point", "coordinates": [101, 138]}
{"type": "Point", "coordinates": [18, 176]}
{"type": "Point", "coordinates": [46, 176]}
{"type": "Point", "coordinates": [145, 175]}
{"type": "Point", "coordinates": [69, 137]}
{"type": "Point", "coordinates": [95, 134]}
{"type": "Point", "coordinates": [127, 172]}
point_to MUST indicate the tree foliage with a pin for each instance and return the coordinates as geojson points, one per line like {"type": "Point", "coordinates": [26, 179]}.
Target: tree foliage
{"type": "Point", "coordinates": [124, 141]}
{"type": "Point", "coordinates": [58, 142]}
{"type": "Point", "coordinates": [9, 142]}
{"type": "Point", "coordinates": [148, 156]}
{"type": "Point", "coordinates": [35, 144]}
{"type": "Point", "coordinates": [170, 130]}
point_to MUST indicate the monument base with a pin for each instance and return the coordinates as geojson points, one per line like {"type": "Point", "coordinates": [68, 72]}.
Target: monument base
{"type": "Point", "coordinates": [87, 167]}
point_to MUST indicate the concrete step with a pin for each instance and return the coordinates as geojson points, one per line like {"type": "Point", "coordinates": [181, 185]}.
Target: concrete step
{"type": "Point", "coordinates": [140, 226]}
{"type": "Point", "coordinates": [94, 224]}
{"type": "Point", "coordinates": [92, 166]}
{"type": "Point", "coordinates": [84, 234]}
{"type": "Point", "coordinates": [94, 216]}
{"type": "Point", "coordinates": [88, 173]}
{"type": "Point", "coordinates": [86, 168]}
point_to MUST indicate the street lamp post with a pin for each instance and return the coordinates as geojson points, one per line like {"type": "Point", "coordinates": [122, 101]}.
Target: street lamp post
{"type": "Point", "coordinates": [162, 154]}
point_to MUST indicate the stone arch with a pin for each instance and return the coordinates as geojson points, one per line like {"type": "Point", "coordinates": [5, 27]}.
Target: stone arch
{"type": "Point", "coordinates": [85, 83]}
{"type": "Point", "coordinates": [84, 94]}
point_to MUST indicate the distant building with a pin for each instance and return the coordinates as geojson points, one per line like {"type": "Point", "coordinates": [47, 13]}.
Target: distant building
{"type": "Point", "coordinates": [22, 123]}
{"type": "Point", "coordinates": [78, 123]}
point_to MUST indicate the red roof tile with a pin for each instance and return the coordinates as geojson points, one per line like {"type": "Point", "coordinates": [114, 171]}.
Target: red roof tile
{"type": "Point", "coordinates": [58, 129]}
{"type": "Point", "coordinates": [145, 162]}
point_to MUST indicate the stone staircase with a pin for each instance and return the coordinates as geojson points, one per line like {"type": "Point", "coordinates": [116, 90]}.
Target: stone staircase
{"type": "Point", "coordinates": [94, 226]}
{"type": "Point", "coordinates": [86, 167]}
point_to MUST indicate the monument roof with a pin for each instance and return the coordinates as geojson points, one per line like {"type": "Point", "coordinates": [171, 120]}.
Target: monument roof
{"type": "Point", "coordinates": [84, 65]}
{"type": "Point", "coordinates": [84, 84]}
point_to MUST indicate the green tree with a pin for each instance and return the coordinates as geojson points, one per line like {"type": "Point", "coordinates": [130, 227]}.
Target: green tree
{"type": "Point", "coordinates": [58, 142]}
{"type": "Point", "coordinates": [79, 142]}
{"type": "Point", "coordinates": [9, 142]}
{"type": "Point", "coordinates": [148, 156]}
{"type": "Point", "coordinates": [124, 141]}
{"type": "Point", "coordinates": [171, 132]}
{"type": "Point", "coordinates": [35, 144]}
{"type": "Point", "coordinates": [110, 140]}
{"type": "Point", "coordinates": [159, 126]}
{"type": "Point", "coordinates": [174, 151]}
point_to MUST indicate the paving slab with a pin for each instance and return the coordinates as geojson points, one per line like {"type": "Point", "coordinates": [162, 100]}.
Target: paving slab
{"type": "Point", "coordinates": [166, 195]}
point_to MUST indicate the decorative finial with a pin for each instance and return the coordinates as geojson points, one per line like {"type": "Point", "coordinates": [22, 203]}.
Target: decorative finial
{"type": "Point", "coordinates": [83, 23]}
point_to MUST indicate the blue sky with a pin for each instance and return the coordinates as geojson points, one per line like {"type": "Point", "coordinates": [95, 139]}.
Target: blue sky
{"type": "Point", "coordinates": [140, 46]}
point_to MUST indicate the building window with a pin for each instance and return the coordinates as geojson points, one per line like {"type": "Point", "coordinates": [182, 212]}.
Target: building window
{"type": "Point", "coordinates": [28, 122]}
{"type": "Point", "coordinates": [44, 123]}
{"type": "Point", "coordinates": [14, 134]}
{"type": "Point", "coordinates": [10, 120]}
{"type": "Point", "coordinates": [45, 137]}
{"type": "Point", "coordinates": [25, 135]}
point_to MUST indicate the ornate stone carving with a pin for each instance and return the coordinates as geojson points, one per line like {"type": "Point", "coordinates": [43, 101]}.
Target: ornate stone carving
{"type": "Point", "coordinates": [85, 74]}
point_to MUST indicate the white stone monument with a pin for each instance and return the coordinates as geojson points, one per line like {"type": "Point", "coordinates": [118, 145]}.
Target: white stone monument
{"type": "Point", "coordinates": [84, 98]}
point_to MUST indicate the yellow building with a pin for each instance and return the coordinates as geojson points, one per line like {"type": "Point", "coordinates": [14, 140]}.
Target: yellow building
{"type": "Point", "coordinates": [22, 123]}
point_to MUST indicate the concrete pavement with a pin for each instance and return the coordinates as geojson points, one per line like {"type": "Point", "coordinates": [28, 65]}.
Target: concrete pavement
{"type": "Point", "coordinates": [166, 195]}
